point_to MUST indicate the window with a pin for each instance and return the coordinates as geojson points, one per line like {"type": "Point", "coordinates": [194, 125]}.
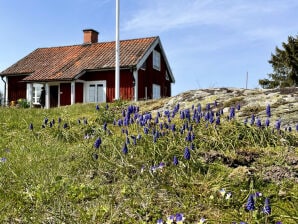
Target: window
{"type": "Point", "coordinates": [155, 91]}
{"type": "Point", "coordinates": [156, 60]}
{"type": "Point", "coordinates": [95, 92]}
{"type": "Point", "coordinates": [167, 76]}
{"type": "Point", "coordinates": [36, 91]}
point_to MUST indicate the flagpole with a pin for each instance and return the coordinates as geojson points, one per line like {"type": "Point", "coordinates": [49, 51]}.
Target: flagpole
{"type": "Point", "coordinates": [117, 53]}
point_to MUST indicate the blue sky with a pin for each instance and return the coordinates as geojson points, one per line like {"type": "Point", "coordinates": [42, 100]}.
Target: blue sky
{"type": "Point", "coordinates": [208, 43]}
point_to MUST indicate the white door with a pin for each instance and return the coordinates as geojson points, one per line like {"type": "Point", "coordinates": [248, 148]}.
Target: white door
{"type": "Point", "coordinates": [96, 93]}
{"type": "Point", "coordinates": [155, 91]}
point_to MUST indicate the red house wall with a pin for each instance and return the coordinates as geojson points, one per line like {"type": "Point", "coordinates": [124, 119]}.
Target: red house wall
{"type": "Point", "coordinates": [16, 88]}
{"type": "Point", "coordinates": [65, 92]}
{"type": "Point", "coordinates": [151, 76]}
{"type": "Point", "coordinates": [79, 92]}
{"type": "Point", "coordinates": [126, 83]}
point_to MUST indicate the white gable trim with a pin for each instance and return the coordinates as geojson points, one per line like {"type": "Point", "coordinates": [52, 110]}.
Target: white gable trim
{"type": "Point", "coordinates": [149, 51]}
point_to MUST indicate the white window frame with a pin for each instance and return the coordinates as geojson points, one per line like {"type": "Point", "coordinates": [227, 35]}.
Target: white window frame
{"type": "Point", "coordinates": [36, 91]}
{"type": "Point", "coordinates": [156, 91]}
{"type": "Point", "coordinates": [156, 60]}
{"type": "Point", "coordinates": [86, 91]}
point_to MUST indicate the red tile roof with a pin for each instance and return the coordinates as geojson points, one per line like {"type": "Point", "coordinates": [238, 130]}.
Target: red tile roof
{"type": "Point", "coordinates": [65, 63]}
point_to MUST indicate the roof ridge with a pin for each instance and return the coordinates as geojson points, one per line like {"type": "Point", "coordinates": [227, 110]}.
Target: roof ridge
{"type": "Point", "coordinates": [105, 42]}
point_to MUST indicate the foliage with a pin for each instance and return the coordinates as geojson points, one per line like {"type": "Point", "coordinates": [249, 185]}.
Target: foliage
{"type": "Point", "coordinates": [285, 66]}
{"type": "Point", "coordinates": [116, 163]}
{"type": "Point", "coordinates": [23, 103]}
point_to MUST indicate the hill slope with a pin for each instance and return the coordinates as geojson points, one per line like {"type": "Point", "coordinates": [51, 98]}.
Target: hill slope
{"type": "Point", "coordinates": [178, 159]}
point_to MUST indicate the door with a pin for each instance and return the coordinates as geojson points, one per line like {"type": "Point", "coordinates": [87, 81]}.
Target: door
{"type": "Point", "coordinates": [53, 96]}
{"type": "Point", "coordinates": [96, 93]}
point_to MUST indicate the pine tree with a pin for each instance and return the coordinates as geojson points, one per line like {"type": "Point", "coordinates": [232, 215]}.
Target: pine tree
{"type": "Point", "coordinates": [285, 66]}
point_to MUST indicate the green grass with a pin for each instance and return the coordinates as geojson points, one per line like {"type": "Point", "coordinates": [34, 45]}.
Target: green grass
{"type": "Point", "coordinates": [49, 175]}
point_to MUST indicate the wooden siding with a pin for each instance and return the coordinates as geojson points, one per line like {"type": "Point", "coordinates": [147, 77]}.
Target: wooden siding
{"type": "Point", "coordinates": [65, 92]}
{"type": "Point", "coordinates": [151, 76]}
{"type": "Point", "coordinates": [79, 95]}
{"type": "Point", "coordinates": [16, 88]}
{"type": "Point", "coordinates": [126, 83]}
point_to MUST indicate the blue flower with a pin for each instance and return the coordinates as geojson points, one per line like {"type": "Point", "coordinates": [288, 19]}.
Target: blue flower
{"type": "Point", "coordinates": [170, 219]}
{"type": "Point", "coordinates": [31, 127]}
{"type": "Point", "coordinates": [97, 143]}
{"type": "Point", "coordinates": [278, 124]}
{"type": "Point", "coordinates": [252, 121]}
{"type": "Point", "coordinates": [232, 113]}
{"type": "Point", "coordinates": [97, 107]}
{"type": "Point", "coordinates": [125, 149]}
{"type": "Point", "coordinates": [179, 218]}
{"type": "Point", "coordinates": [267, 122]}
{"type": "Point", "coordinates": [238, 106]}
{"type": "Point", "coordinates": [65, 126]}
{"type": "Point", "coordinates": [268, 110]}
{"type": "Point", "coordinates": [175, 161]}
{"type": "Point", "coordinates": [46, 121]}
{"type": "Point", "coordinates": [250, 205]}
{"type": "Point", "coordinates": [159, 221]}
{"type": "Point", "coordinates": [217, 122]}
{"type": "Point", "coordinates": [267, 207]}
{"type": "Point", "coordinates": [187, 153]}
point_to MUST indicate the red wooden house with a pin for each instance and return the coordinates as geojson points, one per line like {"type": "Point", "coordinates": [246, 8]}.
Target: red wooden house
{"type": "Point", "coordinates": [86, 73]}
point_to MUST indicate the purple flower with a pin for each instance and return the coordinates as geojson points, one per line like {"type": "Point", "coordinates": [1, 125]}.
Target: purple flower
{"type": "Point", "coordinates": [97, 107]}
{"type": "Point", "coordinates": [267, 122]}
{"type": "Point", "coordinates": [97, 143]}
{"type": "Point", "coordinates": [207, 106]}
{"type": "Point", "coordinates": [175, 161]}
{"type": "Point", "coordinates": [3, 160]}
{"type": "Point", "coordinates": [250, 205]}
{"type": "Point", "coordinates": [232, 113]}
{"type": "Point", "coordinates": [159, 221]}
{"type": "Point", "coordinates": [297, 127]}
{"type": "Point", "coordinates": [31, 127]}
{"type": "Point", "coordinates": [46, 121]}
{"type": "Point", "coordinates": [278, 124]}
{"type": "Point", "coordinates": [217, 121]}
{"type": "Point", "coordinates": [290, 128]}
{"type": "Point", "coordinates": [179, 217]}
{"type": "Point", "coordinates": [59, 120]}
{"type": "Point", "coordinates": [238, 106]}
{"type": "Point", "coordinates": [186, 153]}
{"type": "Point", "coordinates": [268, 110]}
{"type": "Point", "coordinates": [267, 207]}
{"type": "Point", "coordinates": [173, 127]}
{"type": "Point", "coordinates": [65, 126]}
{"type": "Point", "coordinates": [125, 149]}
{"type": "Point", "coordinates": [252, 121]}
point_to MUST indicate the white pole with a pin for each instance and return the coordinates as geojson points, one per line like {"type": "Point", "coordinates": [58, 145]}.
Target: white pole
{"type": "Point", "coordinates": [117, 58]}
{"type": "Point", "coordinates": [246, 80]}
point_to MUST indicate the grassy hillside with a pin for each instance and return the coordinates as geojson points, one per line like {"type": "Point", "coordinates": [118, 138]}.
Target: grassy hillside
{"type": "Point", "coordinates": [122, 163]}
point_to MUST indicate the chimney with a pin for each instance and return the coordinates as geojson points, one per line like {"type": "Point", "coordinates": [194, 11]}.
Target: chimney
{"type": "Point", "coordinates": [90, 36]}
